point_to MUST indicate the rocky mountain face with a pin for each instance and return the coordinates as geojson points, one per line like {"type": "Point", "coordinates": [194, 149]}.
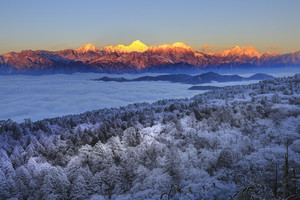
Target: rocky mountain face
{"type": "Point", "coordinates": [137, 57]}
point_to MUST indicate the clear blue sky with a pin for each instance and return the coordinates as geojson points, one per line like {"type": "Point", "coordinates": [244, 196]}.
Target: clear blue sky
{"type": "Point", "coordinates": [60, 24]}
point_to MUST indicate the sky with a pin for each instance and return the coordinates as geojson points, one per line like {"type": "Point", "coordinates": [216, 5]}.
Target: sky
{"type": "Point", "coordinates": [268, 25]}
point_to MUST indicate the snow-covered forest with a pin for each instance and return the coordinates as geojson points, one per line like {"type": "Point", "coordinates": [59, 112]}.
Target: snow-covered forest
{"type": "Point", "coordinates": [240, 142]}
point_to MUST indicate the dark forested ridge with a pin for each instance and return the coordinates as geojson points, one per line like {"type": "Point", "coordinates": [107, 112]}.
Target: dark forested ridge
{"type": "Point", "coordinates": [207, 77]}
{"type": "Point", "coordinates": [205, 88]}
{"type": "Point", "coordinates": [239, 141]}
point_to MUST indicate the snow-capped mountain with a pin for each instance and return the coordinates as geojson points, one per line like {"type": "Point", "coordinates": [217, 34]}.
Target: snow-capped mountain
{"type": "Point", "coordinates": [240, 51]}
{"type": "Point", "coordinates": [136, 46]}
{"type": "Point", "coordinates": [136, 57]}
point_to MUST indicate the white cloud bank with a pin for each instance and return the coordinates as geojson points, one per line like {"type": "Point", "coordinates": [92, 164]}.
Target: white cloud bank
{"type": "Point", "coordinates": [46, 96]}
{"type": "Point", "coordinates": [39, 97]}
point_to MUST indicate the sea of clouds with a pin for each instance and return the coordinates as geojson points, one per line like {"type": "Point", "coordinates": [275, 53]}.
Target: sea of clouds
{"type": "Point", "coordinates": [39, 97]}
{"type": "Point", "coordinates": [46, 96]}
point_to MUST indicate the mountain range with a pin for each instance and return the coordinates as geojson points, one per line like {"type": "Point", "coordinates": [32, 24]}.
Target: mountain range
{"type": "Point", "coordinates": [138, 57]}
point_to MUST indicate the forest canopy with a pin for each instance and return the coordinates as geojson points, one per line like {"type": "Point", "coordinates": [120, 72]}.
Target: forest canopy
{"type": "Point", "coordinates": [242, 140]}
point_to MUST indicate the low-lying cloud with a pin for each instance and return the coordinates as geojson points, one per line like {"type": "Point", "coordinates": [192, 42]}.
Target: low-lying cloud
{"type": "Point", "coordinates": [39, 97]}
{"type": "Point", "coordinates": [209, 49]}
{"type": "Point", "coordinates": [273, 47]}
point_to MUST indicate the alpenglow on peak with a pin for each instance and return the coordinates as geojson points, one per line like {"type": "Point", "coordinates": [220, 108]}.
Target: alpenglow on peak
{"type": "Point", "coordinates": [137, 46]}
{"type": "Point", "coordinates": [87, 47]}
{"type": "Point", "coordinates": [175, 45]}
{"type": "Point", "coordinates": [239, 51]}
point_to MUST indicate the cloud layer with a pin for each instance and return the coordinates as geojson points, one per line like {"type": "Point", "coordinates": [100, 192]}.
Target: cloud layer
{"type": "Point", "coordinates": [46, 96]}
{"type": "Point", "coordinates": [273, 47]}
{"type": "Point", "coordinates": [39, 97]}
{"type": "Point", "coordinates": [209, 49]}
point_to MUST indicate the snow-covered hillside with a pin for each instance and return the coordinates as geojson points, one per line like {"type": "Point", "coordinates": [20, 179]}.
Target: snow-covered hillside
{"type": "Point", "coordinates": [232, 141]}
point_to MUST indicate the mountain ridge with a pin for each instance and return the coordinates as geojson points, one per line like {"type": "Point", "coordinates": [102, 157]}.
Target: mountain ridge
{"type": "Point", "coordinates": [207, 77]}
{"type": "Point", "coordinates": [137, 57]}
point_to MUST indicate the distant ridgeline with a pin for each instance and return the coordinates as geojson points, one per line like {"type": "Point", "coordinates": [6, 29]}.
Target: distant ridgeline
{"type": "Point", "coordinates": [188, 79]}
{"type": "Point", "coordinates": [239, 141]}
{"type": "Point", "coordinates": [138, 57]}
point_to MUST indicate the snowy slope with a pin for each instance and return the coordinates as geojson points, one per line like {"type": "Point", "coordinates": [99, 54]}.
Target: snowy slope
{"type": "Point", "coordinates": [213, 145]}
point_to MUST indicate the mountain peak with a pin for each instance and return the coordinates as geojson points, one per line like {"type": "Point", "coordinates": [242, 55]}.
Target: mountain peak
{"type": "Point", "coordinates": [136, 46]}
{"type": "Point", "coordinates": [181, 45]}
{"type": "Point", "coordinates": [177, 46]}
{"type": "Point", "coordinates": [87, 47]}
{"type": "Point", "coordinates": [251, 51]}
{"type": "Point", "coordinates": [137, 42]}
{"type": "Point", "coordinates": [174, 45]}
{"type": "Point", "coordinates": [237, 47]}
{"type": "Point", "coordinates": [267, 53]}
{"type": "Point", "coordinates": [240, 51]}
